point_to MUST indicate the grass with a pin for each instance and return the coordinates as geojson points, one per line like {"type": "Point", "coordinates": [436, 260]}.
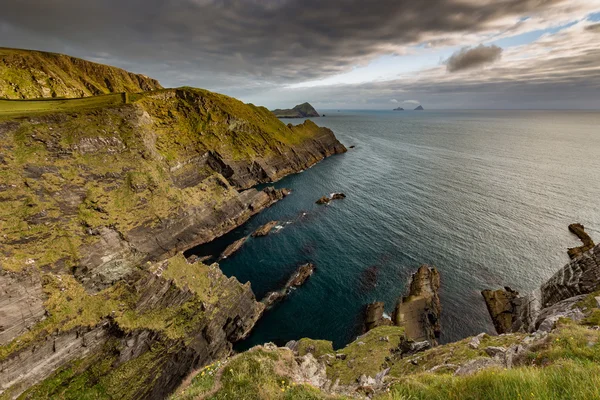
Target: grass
{"type": "Point", "coordinates": [316, 347]}
{"type": "Point", "coordinates": [567, 380]}
{"type": "Point", "coordinates": [24, 108]}
{"type": "Point", "coordinates": [253, 375]}
{"type": "Point", "coordinates": [367, 355]}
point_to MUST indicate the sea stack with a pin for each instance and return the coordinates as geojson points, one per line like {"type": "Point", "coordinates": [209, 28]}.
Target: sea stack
{"type": "Point", "coordinates": [419, 108]}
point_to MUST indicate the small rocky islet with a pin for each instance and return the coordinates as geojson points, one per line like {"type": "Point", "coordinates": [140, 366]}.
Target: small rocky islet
{"type": "Point", "coordinates": [103, 195]}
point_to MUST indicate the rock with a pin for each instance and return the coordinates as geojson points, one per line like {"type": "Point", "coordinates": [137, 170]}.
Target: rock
{"type": "Point", "coordinates": [419, 311]}
{"type": "Point", "coordinates": [501, 307]}
{"type": "Point", "coordinates": [597, 298]}
{"type": "Point", "coordinates": [398, 109]}
{"type": "Point", "coordinates": [233, 247]}
{"type": "Point", "coordinates": [493, 351]}
{"type": "Point", "coordinates": [292, 345]}
{"type": "Point", "coordinates": [419, 108]}
{"type": "Point", "coordinates": [474, 343]}
{"type": "Point", "coordinates": [323, 200]}
{"type": "Point", "coordinates": [298, 278]}
{"type": "Point", "coordinates": [351, 147]}
{"type": "Point", "coordinates": [334, 196]}
{"type": "Point", "coordinates": [340, 356]}
{"type": "Point", "coordinates": [374, 316]}
{"type": "Point", "coordinates": [265, 229]}
{"type": "Point", "coordinates": [579, 231]}
{"type": "Point", "coordinates": [477, 365]}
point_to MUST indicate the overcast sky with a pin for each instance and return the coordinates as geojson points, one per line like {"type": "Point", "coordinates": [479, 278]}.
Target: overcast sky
{"type": "Point", "coordinates": [335, 54]}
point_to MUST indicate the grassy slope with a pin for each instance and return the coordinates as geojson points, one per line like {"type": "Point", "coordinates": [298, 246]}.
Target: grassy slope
{"type": "Point", "coordinates": [28, 74]}
{"type": "Point", "coordinates": [564, 365]}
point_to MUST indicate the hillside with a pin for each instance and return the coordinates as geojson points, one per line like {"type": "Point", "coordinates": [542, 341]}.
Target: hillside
{"type": "Point", "coordinates": [29, 74]}
{"type": "Point", "coordinates": [304, 110]}
{"type": "Point", "coordinates": [98, 202]}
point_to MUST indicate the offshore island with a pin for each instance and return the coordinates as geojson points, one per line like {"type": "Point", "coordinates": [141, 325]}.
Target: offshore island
{"type": "Point", "coordinates": [106, 178]}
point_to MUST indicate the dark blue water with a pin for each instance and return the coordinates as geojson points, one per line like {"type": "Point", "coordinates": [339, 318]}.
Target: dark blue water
{"type": "Point", "coordinates": [486, 196]}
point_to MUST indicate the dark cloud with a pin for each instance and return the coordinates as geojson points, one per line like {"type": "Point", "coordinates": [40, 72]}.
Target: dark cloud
{"type": "Point", "coordinates": [474, 57]}
{"type": "Point", "coordinates": [249, 43]}
{"type": "Point", "coordinates": [593, 28]}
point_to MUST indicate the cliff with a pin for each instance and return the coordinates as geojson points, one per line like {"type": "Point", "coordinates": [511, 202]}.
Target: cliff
{"type": "Point", "coordinates": [304, 110]}
{"type": "Point", "coordinates": [97, 205]}
{"type": "Point", "coordinates": [28, 74]}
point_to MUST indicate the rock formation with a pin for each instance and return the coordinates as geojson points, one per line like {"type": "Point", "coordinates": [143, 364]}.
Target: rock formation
{"type": "Point", "coordinates": [28, 74]}
{"type": "Point", "coordinates": [419, 311]}
{"type": "Point", "coordinates": [419, 108]}
{"type": "Point", "coordinates": [513, 313]}
{"type": "Point", "coordinates": [298, 278]}
{"type": "Point", "coordinates": [500, 305]}
{"type": "Point", "coordinates": [265, 229]}
{"type": "Point", "coordinates": [398, 109]}
{"type": "Point", "coordinates": [588, 243]}
{"type": "Point", "coordinates": [304, 110]}
{"type": "Point", "coordinates": [327, 199]}
{"type": "Point", "coordinates": [374, 316]}
{"type": "Point", "coordinates": [233, 247]}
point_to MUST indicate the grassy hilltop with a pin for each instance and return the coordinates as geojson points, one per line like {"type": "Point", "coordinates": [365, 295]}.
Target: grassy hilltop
{"type": "Point", "coordinates": [28, 74]}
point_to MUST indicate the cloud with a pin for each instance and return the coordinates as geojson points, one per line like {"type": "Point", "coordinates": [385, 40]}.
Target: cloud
{"type": "Point", "coordinates": [468, 58]}
{"type": "Point", "coordinates": [393, 101]}
{"type": "Point", "coordinates": [593, 28]}
{"type": "Point", "coordinates": [239, 45]}
{"type": "Point", "coordinates": [411, 102]}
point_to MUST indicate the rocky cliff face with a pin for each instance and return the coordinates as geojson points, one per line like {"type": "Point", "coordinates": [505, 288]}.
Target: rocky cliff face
{"type": "Point", "coordinates": [556, 298]}
{"type": "Point", "coordinates": [28, 74]}
{"type": "Point", "coordinates": [94, 201]}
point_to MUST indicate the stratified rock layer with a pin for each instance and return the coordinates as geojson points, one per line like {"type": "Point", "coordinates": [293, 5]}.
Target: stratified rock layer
{"type": "Point", "coordinates": [298, 278]}
{"type": "Point", "coordinates": [527, 313]}
{"type": "Point", "coordinates": [579, 231]}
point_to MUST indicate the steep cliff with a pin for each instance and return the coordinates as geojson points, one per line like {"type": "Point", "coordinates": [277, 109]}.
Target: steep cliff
{"type": "Point", "coordinates": [304, 110]}
{"type": "Point", "coordinates": [94, 200]}
{"type": "Point", "coordinates": [28, 74]}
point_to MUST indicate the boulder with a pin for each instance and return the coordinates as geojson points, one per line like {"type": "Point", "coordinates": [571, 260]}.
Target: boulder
{"type": "Point", "coordinates": [323, 200]}
{"type": "Point", "coordinates": [338, 196]}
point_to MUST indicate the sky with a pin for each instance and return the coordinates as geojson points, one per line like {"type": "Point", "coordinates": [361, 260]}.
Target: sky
{"type": "Point", "coordinates": [346, 54]}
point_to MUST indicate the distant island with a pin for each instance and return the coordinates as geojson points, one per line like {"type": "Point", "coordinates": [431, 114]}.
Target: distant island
{"type": "Point", "coordinates": [420, 108]}
{"type": "Point", "coordinates": [398, 109]}
{"type": "Point", "coordinates": [303, 110]}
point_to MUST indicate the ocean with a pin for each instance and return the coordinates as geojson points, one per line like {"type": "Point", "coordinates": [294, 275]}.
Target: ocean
{"type": "Point", "coordinates": [485, 196]}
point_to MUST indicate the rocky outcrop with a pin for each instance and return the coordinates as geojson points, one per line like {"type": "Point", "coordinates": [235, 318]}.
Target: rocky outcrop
{"type": "Point", "coordinates": [419, 108]}
{"type": "Point", "coordinates": [374, 316]}
{"type": "Point", "coordinates": [233, 247]}
{"type": "Point", "coordinates": [297, 279]}
{"type": "Point", "coordinates": [304, 110]}
{"type": "Point", "coordinates": [333, 196]}
{"type": "Point", "coordinates": [398, 109]}
{"type": "Point", "coordinates": [419, 311]}
{"type": "Point", "coordinates": [28, 74]}
{"type": "Point", "coordinates": [501, 306]}
{"type": "Point", "coordinates": [513, 313]}
{"type": "Point", "coordinates": [265, 229]}
{"type": "Point", "coordinates": [579, 231]}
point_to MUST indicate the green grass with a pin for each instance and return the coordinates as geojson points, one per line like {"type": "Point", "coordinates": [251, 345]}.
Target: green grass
{"type": "Point", "coordinates": [566, 380]}
{"type": "Point", "coordinates": [316, 347]}
{"type": "Point", "coordinates": [22, 108]}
